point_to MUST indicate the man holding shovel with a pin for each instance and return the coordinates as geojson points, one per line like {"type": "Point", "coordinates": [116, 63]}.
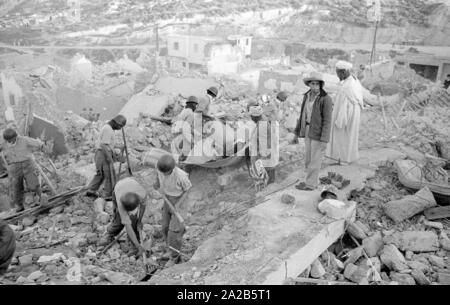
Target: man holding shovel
{"type": "Point", "coordinates": [174, 184]}
{"type": "Point", "coordinates": [129, 208]}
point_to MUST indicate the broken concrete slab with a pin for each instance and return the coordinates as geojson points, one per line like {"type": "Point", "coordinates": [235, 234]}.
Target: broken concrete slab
{"type": "Point", "coordinates": [47, 259]}
{"type": "Point", "coordinates": [444, 241]}
{"type": "Point", "coordinates": [444, 278]}
{"type": "Point", "coordinates": [420, 277]}
{"type": "Point", "coordinates": [400, 210]}
{"type": "Point", "coordinates": [373, 244]}
{"type": "Point", "coordinates": [415, 265]}
{"type": "Point", "coordinates": [436, 261]}
{"type": "Point", "coordinates": [355, 230]}
{"type": "Point", "coordinates": [35, 276]}
{"type": "Point", "coordinates": [434, 224]}
{"type": "Point", "coordinates": [393, 258]}
{"type": "Point", "coordinates": [337, 209]}
{"type": "Point", "coordinates": [47, 130]}
{"type": "Point", "coordinates": [26, 260]}
{"type": "Point", "coordinates": [357, 274]}
{"type": "Point", "coordinates": [276, 236]}
{"type": "Point", "coordinates": [416, 241]}
{"type": "Point", "coordinates": [402, 279]}
{"type": "Point", "coordinates": [317, 270]}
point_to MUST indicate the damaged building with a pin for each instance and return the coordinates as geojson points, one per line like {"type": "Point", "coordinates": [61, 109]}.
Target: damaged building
{"type": "Point", "coordinates": [213, 55]}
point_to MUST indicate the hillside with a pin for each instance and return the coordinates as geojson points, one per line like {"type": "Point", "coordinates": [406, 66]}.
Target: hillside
{"type": "Point", "coordinates": [420, 21]}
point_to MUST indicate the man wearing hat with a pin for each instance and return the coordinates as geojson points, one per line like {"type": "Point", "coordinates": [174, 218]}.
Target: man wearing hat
{"type": "Point", "coordinates": [343, 146]}
{"type": "Point", "coordinates": [187, 114]}
{"type": "Point", "coordinates": [184, 123]}
{"type": "Point", "coordinates": [105, 156]}
{"type": "Point", "coordinates": [314, 126]}
{"type": "Point", "coordinates": [204, 103]}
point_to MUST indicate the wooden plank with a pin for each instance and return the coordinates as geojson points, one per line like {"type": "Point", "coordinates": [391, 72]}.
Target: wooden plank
{"type": "Point", "coordinates": [394, 122]}
{"type": "Point", "coordinates": [437, 213]}
{"type": "Point", "coordinates": [46, 179]}
{"type": "Point", "coordinates": [405, 100]}
{"type": "Point", "coordinates": [384, 116]}
{"type": "Point", "coordinates": [318, 281]}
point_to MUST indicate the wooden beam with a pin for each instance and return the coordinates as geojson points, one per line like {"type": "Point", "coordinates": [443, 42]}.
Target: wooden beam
{"type": "Point", "coordinates": [437, 213]}
{"type": "Point", "coordinates": [46, 179]}
{"type": "Point", "coordinates": [319, 281]}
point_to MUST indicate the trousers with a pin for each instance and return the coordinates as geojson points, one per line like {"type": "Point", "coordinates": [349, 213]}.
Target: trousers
{"type": "Point", "coordinates": [172, 230]}
{"type": "Point", "coordinates": [102, 175]}
{"type": "Point", "coordinates": [18, 173]}
{"type": "Point", "coordinates": [314, 154]}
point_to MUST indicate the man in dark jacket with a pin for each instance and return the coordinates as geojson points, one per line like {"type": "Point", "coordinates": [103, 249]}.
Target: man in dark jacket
{"type": "Point", "coordinates": [314, 125]}
{"type": "Point", "coordinates": [7, 246]}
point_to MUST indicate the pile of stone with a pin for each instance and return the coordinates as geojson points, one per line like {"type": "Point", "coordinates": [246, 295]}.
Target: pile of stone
{"type": "Point", "coordinates": [391, 242]}
{"type": "Point", "coordinates": [425, 127]}
{"type": "Point", "coordinates": [62, 247]}
{"type": "Point", "coordinates": [388, 257]}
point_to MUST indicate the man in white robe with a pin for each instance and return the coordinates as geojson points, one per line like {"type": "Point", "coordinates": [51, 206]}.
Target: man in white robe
{"type": "Point", "coordinates": [343, 145]}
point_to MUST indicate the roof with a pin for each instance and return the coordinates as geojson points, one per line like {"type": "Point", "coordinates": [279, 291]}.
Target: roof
{"type": "Point", "coordinates": [205, 38]}
{"type": "Point", "coordinates": [423, 58]}
{"type": "Point", "coordinates": [236, 37]}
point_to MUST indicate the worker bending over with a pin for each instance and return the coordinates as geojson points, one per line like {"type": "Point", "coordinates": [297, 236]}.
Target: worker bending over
{"type": "Point", "coordinates": [105, 157]}
{"type": "Point", "coordinates": [129, 208]}
{"type": "Point", "coordinates": [18, 153]}
{"type": "Point", "coordinates": [173, 183]}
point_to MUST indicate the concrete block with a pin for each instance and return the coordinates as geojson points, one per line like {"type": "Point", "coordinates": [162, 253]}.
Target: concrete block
{"type": "Point", "coordinates": [393, 258]}
{"type": "Point", "coordinates": [373, 244]}
{"type": "Point", "coordinates": [416, 241]}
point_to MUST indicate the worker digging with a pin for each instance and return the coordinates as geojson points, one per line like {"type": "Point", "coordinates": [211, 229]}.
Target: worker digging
{"type": "Point", "coordinates": [227, 145]}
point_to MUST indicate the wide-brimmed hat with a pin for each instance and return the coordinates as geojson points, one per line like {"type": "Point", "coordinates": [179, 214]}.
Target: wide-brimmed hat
{"type": "Point", "coordinates": [314, 76]}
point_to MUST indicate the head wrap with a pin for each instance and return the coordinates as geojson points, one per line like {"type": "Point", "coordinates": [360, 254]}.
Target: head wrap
{"type": "Point", "coordinates": [343, 65]}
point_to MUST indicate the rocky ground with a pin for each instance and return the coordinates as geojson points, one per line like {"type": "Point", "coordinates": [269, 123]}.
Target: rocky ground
{"type": "Point", "coordinates": [52, 248]}
{"type": "Point", "coordinates": [412, 252]}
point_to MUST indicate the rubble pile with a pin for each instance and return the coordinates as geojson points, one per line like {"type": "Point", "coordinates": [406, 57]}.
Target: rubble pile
{"type": "Point", "coordinates": [52, 247]}
{"type": "Point", "coordinates": [421, 129]}
{"type": "Point", "coordinates": [378, 250]}
{"type": "Point", "coordinates": [404, 80]}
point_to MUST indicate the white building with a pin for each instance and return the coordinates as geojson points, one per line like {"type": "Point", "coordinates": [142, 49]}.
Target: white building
{"type": "Point", "coordinates": [215, 54]}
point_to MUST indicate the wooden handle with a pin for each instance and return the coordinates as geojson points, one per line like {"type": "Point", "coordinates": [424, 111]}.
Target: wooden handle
{"type": "Point", "coordinates": [172, 208]}
{"type": "Point", "coordinates": [126, 151]}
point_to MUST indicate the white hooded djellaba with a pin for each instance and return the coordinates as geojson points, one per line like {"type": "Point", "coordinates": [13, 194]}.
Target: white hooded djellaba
{"type": "Point", "coordinates": [343, 145]}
